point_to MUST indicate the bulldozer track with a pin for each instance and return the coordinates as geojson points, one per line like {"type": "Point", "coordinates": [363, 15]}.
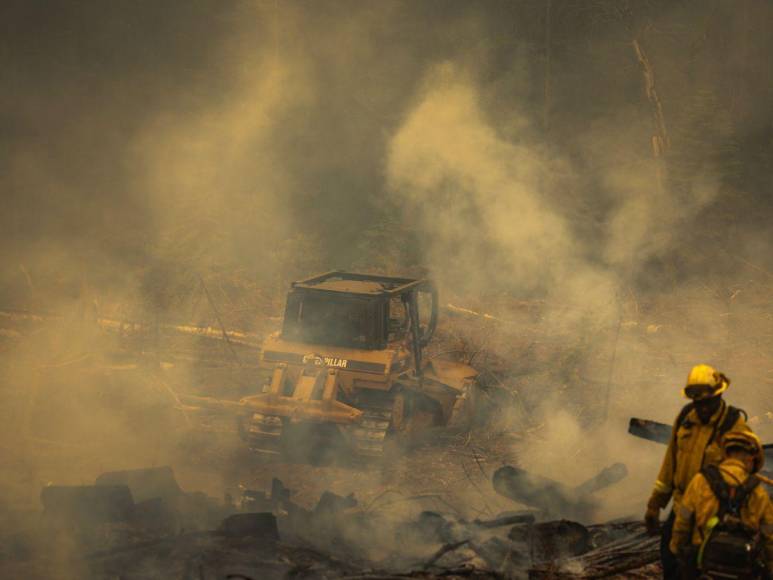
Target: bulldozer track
{"type": "Point", "coordinates": [384, 416]}
{"type": "Point", "coordinates": [369, 436]}
{"type": "Point", "coordinates": [263, 433]}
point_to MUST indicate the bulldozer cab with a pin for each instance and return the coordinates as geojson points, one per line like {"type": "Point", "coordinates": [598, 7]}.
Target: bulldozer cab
{"type": "Point", "coordinates": [360, 311]}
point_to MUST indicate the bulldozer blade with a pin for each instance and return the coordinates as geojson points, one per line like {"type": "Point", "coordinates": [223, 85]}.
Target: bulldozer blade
{"type": "Point", "coordinates": [650, 430]}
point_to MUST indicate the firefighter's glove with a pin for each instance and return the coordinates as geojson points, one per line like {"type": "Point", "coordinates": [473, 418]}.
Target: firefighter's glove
{"type": "Point", "coordinates": [652, 516]}
{"type": "Point", "coordinates": [652, 520]}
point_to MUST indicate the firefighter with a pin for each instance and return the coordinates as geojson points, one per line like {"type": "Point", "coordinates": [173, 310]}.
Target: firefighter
{"type": "Point", "coordinates": [694, 444]}
{"type": "Point", "coordinates": [724, 524]}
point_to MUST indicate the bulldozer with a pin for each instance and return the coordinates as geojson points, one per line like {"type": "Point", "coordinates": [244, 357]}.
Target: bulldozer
{"type": "Point", "coordinates": [348, 367]}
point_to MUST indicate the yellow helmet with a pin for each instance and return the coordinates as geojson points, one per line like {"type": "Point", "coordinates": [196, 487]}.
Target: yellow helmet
{"type": "Point", "coordinates": [705, 382]}
{"type": "Point", "coordinates": [748, 441]}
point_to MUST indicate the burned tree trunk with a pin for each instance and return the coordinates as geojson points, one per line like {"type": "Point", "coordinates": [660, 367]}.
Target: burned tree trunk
{"type": "Point", "coordinates": [659, 142]}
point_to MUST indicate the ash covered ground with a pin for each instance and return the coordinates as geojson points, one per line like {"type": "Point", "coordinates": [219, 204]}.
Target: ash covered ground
{"type": "Point", "coordinates": [429, 508]}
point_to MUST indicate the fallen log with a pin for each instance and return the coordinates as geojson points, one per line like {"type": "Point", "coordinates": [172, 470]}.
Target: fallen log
{"type": "Point", "coordinates": [618, 557]}
{"type": "Point", "coordinates": [126, 327]}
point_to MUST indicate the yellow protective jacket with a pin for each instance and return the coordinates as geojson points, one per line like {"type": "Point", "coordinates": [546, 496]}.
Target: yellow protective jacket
{"type": "Point", "coordinates": [699, 505]}
{"type": "Point", "coordinates": [692, 446]}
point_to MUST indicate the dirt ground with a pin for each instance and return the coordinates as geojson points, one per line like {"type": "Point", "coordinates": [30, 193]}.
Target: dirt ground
{"type": "Point", "coordinates": [446, 472]}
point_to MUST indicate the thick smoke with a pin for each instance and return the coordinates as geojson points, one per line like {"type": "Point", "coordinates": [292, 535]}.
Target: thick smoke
{"type": "Point", "coordinates": [146, 148]}
{"type": "Point", "coordinates": [492, 214]}
{"type": "Point", "coordinates": [482, 202]}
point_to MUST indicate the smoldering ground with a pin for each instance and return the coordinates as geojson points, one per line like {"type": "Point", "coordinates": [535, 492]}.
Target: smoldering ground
{"type": "Point", "coordinates": [504, 148]}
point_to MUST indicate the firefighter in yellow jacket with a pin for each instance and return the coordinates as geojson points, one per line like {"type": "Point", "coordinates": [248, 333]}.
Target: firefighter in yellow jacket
{"type": "Point", "coordinates": [694, 444]}
{"type": "Point", "coordinates": [725, 516]}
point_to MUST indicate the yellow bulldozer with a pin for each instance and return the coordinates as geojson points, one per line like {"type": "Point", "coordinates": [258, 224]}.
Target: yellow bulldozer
{"type": "Point", "coordinates": [348, 367]}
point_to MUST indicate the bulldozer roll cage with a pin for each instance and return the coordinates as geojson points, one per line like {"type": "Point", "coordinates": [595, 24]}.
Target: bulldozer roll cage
{"type": "Point", "coordinates": [353, 310]}
{"type": "Point", "coordinates": [392, 286]}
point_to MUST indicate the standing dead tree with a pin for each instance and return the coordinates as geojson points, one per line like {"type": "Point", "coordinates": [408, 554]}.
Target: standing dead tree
{"type": "Point", "coordinates": [636, 19]}
{"type": "Point", "coordinates": [660, 141]}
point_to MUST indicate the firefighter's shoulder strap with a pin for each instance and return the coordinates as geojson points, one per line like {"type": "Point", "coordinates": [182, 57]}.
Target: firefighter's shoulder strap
{"type": "Point", "coordinates": [680, 419]}
{"type": "Point", "coordinates": [682, 416]}
{"type": "Point", "coordinates": [731, 498]}
{"type": "Point", "coordinates": [717, 483]}
{"type": "Point", "coordinates": [728, 422]}
{"type": "Point", "coordinates": [746, 488]}
{"type": "Point", "coordinates": [731, 418]}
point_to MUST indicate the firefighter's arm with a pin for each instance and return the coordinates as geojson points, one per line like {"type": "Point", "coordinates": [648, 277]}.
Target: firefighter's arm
{"type": "Point", "coordinates": [661, 493]}
{"type": "Point", "coordinates": [685, 515]}
{"type": "Point", "coordinates": [664, 485]}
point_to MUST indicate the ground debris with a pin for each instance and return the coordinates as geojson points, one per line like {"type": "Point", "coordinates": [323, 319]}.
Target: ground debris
{"type": "Point", "coordinates": [146, 483]}
{"type": "Point", "coordinates": [506, 520]}
{"type": "Point", "coordinates": [633, 551]}
{"type": "Point", "coordinates": [554, 499]}
{"type": "Point", "coordinates": [267, 535]}
{"type": "Point", "coordinates": [555, 541]}
{"type": "Point", "coordinates": [256, 525]}
{"type": "Point", "coordinates": [331, 504]}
